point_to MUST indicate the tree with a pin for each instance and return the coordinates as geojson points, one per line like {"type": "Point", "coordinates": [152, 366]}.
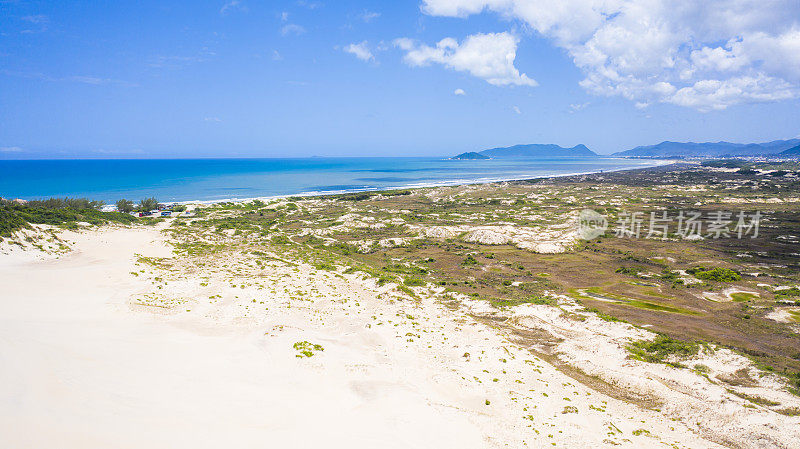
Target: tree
{"type": "Point", "coordinates": [148, 204]}
{"type": "Point", "coordinates": [124, 205]}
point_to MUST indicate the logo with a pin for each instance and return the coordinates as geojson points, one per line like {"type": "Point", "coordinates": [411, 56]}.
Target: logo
{"type": "Point", "coordinates": [591, 224]}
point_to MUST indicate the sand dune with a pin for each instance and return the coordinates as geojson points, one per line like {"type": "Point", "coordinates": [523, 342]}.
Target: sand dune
{"type": "Point", "coordinates": [87, 365]}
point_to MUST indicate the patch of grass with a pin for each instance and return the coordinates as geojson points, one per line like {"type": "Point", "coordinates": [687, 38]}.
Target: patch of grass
{"type": "Point", "coordinates": [628, 271]}
{"type": "Point", "coordinates": [603, 316]}
{"type": "Point", "coordinates": [281, 240]}
{"type": "Point", "coordinates": [358, 196]}
{"type": "Point", "coordinates": [569, 409]}
{"type": "Point", "coordinates": [755, 399]}
{"type": "Point", "coordinates": [742, 296]}
{"type": "Point", "coordinates": [407, 291]}
{"type": "Point", "coordinates": [324, 266]}
{"type": "Point", "coordinates": [715, 274]}
{"type": "Point", "coordinates": [306, 348]}
{"type": "Point", "coordinates": [598, 295]}
{"type": "Point", "coordinates": [792, 411]}
{"type": "Point", "coordinates": [414, 282]}
{"type": "Point", "coordinates": [659, 307]}
{"type": "Point", "coordinates": [661, 349]}
{"type": "Point", "coordinates": [787, 293]}
{"type": "Point", "coordinates": [469, 261]}
{"type": "Point", "coordinates": [535, 299]}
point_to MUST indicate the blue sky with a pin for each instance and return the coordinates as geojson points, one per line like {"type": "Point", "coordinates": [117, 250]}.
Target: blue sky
{"type": "Point", "coordinates": [417, 78]}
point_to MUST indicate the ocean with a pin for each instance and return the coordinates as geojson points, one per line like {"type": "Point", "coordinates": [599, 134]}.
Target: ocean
{"type": "Point", "coordinates": [173, 180]}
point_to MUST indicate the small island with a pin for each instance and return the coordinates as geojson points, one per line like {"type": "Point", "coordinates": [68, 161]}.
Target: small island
{"type": "Point", "coordinates": [469, 155]}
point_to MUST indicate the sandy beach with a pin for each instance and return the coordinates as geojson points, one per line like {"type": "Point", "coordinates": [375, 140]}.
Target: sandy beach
{"type": "Point", "coordinates": [86, 369]}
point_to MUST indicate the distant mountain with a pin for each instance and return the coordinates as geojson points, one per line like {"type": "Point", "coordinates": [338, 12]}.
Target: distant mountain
{"type": "Point", "coordinates": [709, 149]}
{"type": "Point", "coordinates": [791, 152]}
{"type": "Point", "coordinates": [536, 150]}
{"type": "Point", "coordinates": [470, 155]}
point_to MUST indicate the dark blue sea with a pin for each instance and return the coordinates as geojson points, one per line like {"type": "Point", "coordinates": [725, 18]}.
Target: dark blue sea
{"type": "Point", "coordinates": [172, 180]}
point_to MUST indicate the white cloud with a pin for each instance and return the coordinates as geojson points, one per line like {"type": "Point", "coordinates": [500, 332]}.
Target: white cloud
{"type": "Point", "coordinates": [459, 92]}
{"type": "Point", "coordinates": [369, 16]}
{"type": "Point", "coordinates": [488, 56]}
{"type": "Point", "coordinates": [212, 119]}
{"type": "Point", "coordinates": [38, 19]}
{"type": "Point", "coordinates": [706, 95]}
{"type": "Point", "coordinates": [577, 107]}
{"type": "Point", "coordinates": [11, 150]}
{"type": "Point", "coordinates": [516, 109]}
{"type": "Point", "coordinates": [707, 55]}
{"type": "Point", "coordinates": [361, 51]}
{"type": "Point", "coordinates": [309, 5]}
{"type": "Point", "coordinates": [292, 28]}
{"type": "Point", "coordinates": [232, 5]}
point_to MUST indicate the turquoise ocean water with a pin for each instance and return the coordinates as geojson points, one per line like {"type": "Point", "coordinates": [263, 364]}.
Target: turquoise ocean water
{"type": "Point", "coordinates": [220, 179]}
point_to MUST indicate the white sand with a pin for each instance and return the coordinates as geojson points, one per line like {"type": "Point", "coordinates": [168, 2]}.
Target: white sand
{"type": "Point", "coordinates": [82, 367]}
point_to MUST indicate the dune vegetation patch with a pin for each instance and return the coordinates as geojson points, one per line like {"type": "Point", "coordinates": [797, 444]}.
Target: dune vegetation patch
{"type": "Point", "coordinates": [598, 295]}
{"type": "Point", "coordinates": [306, 349]}
{"type": "Point", "coordinates": [663, 349]}
{"type": "Point", "coordinates": [715, 274]}
{"type": "Point", "coordinates": [743, 296]}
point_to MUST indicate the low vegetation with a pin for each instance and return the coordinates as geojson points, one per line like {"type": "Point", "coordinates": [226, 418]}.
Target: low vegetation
{"type": "Point", "coordinates": [62, 212]}
{"type": "Point", "coordinates": [662, 349]}
{"type": "Point", "coordinates": [715, 274]}
{"type": "Point", "coordinates": [307, 349]}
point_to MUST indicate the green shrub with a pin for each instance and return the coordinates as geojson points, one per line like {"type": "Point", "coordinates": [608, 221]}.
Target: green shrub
{"type": "Point", "coordinates": [715, 274]}
{"type": "Point", "coordinates": [469, 261]}
{"type": "Point", "coordinates": [65, 212]}
{"type": "Point", "coordinates": [662, 348]}
{"type": "Point", "coordinates": [148, 204]}
{"type": "Point", "coordinates": [306, 348]}
{"type": "Point", "coordinates": [414, 282]}
{"type": "Point", "coordinates": [627, 271]}
{"type": "Point", "coordinates": [125, 206]}
{"type": "Point", "coordinates": [787, 293]}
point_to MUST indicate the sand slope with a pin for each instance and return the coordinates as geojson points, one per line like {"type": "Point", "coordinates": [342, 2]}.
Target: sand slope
{"type": "Point", "coordinates": [82, 367]}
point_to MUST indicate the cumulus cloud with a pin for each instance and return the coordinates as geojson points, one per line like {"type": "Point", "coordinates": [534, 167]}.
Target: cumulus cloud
{"type": "Point", "coordinates": [488, 56]}
{"type": "Point", "coordinates": [360, 50]}
{"type": "Point", "coordinates": [705, 55]}
{"type": "Point", "coordinates": [459, 92]}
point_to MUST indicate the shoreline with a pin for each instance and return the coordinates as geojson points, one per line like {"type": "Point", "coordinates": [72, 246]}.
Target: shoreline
{"type": "Point", "coordinates": [454, 183]}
